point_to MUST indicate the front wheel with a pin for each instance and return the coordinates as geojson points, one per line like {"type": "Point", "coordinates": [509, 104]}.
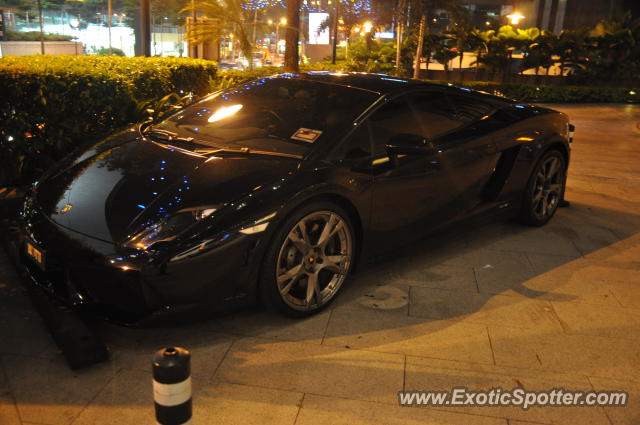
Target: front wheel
{"type": "Point", "coordinates": [308, 260]}
{"type": "Point", "coordinates": [545, 189]}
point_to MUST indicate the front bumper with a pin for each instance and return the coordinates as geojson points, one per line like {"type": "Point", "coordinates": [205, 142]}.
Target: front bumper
{"type": "Point", "coordinates": [96, 277]}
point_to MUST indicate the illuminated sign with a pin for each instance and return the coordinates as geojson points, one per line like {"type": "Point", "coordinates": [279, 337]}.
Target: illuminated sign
{"type": "Point", "coordinates": [317, 35]}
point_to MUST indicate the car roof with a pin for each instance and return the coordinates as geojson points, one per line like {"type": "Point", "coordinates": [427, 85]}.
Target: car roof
{"type": "Point", "coordinates": [378, 83]}
{"type": "Point", "coordinates": [382, 84]}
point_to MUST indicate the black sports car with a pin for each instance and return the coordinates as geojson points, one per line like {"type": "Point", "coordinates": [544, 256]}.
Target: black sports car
{"type": "Point", "coordinates": [275, 188]}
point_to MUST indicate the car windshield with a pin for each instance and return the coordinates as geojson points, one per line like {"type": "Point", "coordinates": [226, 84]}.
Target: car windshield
{"type": "Point", "coordinates": [275, 114]}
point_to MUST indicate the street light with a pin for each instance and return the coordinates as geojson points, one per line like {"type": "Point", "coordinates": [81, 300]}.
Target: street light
{"type": "Point", "coordinates": [515, 18]}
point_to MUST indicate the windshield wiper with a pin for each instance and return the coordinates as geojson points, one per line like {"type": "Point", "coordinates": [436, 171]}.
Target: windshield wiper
{"type": "Point", "coordinates": [170, 136]}
{"type": "Point", "coordinates": [167, 135]}
{"type": "Point", "coordinates": [244, 151]}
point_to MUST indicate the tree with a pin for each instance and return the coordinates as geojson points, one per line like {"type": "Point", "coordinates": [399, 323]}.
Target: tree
{"type": "Point", "coordinates": [426, 9]}
{"type": "Point", "coordinates": [461, 32]}
{"type": "Point", "coordinates": [292, 37]}
{"type": "Point", "coordinates": [400, 19]}
{"type": "Point", "coordinates": [615, 46]}
{"type": "Point", "coordinates": [419, 50]}
{"type": "Point", "coordinates": [539, 53]}
{"type": "Point", "coordinates": [495, 57]}
{"type": "Point", "coordinates": [443, 53]}
{"type": "Point", "coordinates": [569, 46]}
{"type": "Point", "coordinates": [224, 17]}
{"type": "Point", "coordinates": [477, 43]}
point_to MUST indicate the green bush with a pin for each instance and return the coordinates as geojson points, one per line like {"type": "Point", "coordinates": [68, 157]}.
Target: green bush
{"type": "Point", "coordinates": [35, 36]}
{"type": "Point", "coordinates": [104, 51]}
{"type": "Point", "coordinates": [557, 94]}
{"type": "Point", "coordinates": [52, 104]}
{"type": "Point", "coordinates": [522, 92]}
{"type": "Point", "coordinates": [231, 77]}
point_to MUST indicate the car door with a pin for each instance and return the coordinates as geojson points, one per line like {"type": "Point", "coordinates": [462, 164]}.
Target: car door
{"type": "Point", "coordinates": [411, 189]}
{"type": "Point", "coordinates": [432, 189]}
{"type": "Point", "coordinates": [469, 154]}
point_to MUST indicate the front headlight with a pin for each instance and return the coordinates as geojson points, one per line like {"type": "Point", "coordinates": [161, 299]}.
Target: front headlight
{"type": "Point", "coordinates": [168, 228]}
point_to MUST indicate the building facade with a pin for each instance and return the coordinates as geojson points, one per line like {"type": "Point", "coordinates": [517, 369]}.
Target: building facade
{"type": "Point", "coordinates": [553, 15]}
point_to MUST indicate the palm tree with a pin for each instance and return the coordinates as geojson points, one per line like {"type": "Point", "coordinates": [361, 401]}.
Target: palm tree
{"type": "Point", "coordinates": [615, 46]}
{"type": "Point", "coordinates": [222, 17]}
{"type": "Point", "coordinates": [570, 46]}
{"type": "Point", "coordinates": [443, 53]}
{"type": "Point", "coordinates": [400, 19]}
{"type": "Point", "coordinates": [461, 31]}
{"type": "Point", "coordinates": [496, 57]}
{"type": "Point", "coordinates": [426, 9]}
{"type": "Point", "coordinates": [539, 52]}
{"type": "Point", "coordinates": [292, 37]}
{"type": "Point", "coordinates": [416, 65]}
{"type": "Point", "coordinates": [477, 43]}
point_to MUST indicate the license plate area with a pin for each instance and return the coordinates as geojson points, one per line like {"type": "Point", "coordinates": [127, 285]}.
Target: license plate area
{"type": "Point", "coordinates": [36, 254]}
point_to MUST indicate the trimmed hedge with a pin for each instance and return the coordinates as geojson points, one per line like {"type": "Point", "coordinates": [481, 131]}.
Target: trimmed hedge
{"type": "Point", "coordinates": [557, 94]}
{"type": "Point", "coordinates": [35, 36]}
{"type": "Point", "coordinates": [232, 77]}
{"type": "Point", "coordinates": [522, 92]}
{"type": "Point", "coordinates": [52, 104]}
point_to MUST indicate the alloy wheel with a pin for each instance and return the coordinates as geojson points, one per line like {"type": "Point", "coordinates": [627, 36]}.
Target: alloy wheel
{"type": "Point", "coordinates": [547, 190]}
{"type": "Point", "coordinates": [314, 260]}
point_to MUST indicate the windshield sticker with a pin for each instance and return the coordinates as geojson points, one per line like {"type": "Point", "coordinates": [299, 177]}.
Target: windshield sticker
{"type": "Point", "coordinates": [306, 135]}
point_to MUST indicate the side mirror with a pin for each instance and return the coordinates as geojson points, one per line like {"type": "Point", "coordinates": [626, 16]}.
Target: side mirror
{"type": "Point", "coordinates": [409, 144]}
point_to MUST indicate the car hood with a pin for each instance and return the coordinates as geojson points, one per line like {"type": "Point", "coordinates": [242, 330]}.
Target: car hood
{"type": "Point", "coordinates": [109, 193]}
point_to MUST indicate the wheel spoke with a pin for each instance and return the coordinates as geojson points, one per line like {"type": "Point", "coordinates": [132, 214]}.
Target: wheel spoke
{"type": "Point", "coordinates": [335, 259]}
{"type": "Point", "coordinates": [287, 288]}
{"type": "Point", "coordinates": [290, 274]}
{"type": "Point", "coordinates": [554, 166]}
{"type": "Point", "coordinates": [327, 229]}
{"type": "Point", "coordinates": [545, 203]}
{"type": "Point", "coordinates": [300, 241]}
{"type": "Point", "coordinates": [555, 188]}
{"type": "Point", "coordinates": [536, 205]}
{"type": "Point", "coordinates": [312, 289]}
{"type": "Point", "coordinates": [333, 226]}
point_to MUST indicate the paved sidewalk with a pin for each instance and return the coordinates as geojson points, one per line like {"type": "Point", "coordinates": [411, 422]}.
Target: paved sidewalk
{"type": "Point", "coordinates": [502, 305]}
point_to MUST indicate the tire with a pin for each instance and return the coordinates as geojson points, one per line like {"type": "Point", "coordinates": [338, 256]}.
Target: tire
{"type": "Point", "coordinates": [302, 273]}
{"type": "Point", "coordinates": [545, 189]}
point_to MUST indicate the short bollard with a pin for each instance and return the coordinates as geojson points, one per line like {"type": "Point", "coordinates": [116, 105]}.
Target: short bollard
{"type": "Point", "coordinates": [172, 386]}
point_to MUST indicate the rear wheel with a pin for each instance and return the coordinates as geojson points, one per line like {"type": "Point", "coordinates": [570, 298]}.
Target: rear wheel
{"type": "Point", "coordinates": [308, 260]}
{"type": "Point", "coordinates": [545, 189]}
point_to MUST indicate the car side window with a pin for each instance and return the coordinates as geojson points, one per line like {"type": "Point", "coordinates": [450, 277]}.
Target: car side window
{"type": "Point", "coordinates": [357, 145]}
{"type": "Point", "coordinates": [428, 114]}
{"type": "Point", "coordinates": [435, 112]}
{"type": "Point", "coordinates": [393, 118]}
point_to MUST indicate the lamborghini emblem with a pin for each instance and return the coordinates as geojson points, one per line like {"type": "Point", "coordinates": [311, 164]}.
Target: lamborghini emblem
{"type": "Point", "coordinates": [66, 209]}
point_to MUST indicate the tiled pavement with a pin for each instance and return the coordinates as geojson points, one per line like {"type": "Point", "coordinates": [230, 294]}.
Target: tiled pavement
{"type": "Point", "coordinates": [499, 305]}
